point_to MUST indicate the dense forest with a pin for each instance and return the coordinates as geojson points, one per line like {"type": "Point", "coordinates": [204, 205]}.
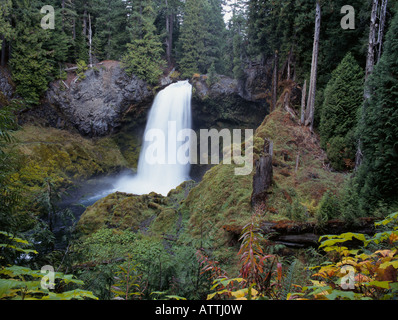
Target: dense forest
{"type": "Point", "coordinates": [329, 140]}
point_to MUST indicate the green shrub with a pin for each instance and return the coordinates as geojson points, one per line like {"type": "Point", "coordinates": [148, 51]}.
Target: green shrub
{"type": "Point", "coordinates": [328, 208]}
{"type": "Point", "coordinates": [338, 116]}
{"type": "Point", "coordinates": [340, 153]}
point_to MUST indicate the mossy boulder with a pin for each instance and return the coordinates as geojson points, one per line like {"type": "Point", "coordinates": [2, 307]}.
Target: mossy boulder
{"type": "Point", "coordinates": [122, 211]}
{"type": "Point", "coordinates": [153, 213]}
{"type": "Point", "coordinates": [61, 158]}
{"type": "Point", "coordinates": [67, 155]}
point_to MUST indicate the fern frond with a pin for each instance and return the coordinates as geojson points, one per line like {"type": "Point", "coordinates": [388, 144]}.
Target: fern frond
{"type": "Point", "coordinates": [287, 284]}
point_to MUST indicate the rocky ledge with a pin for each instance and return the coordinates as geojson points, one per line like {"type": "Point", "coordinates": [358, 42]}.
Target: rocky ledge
{"type": "Point", "coordinates": [96, 104]}
{"type": "Point", "coordinates": [225, 104]}
{"type": "Point", "coordinates": [105, 99]}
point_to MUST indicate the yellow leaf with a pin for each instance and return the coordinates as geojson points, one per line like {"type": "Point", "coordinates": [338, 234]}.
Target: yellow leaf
{"type": "Point", "coordinates": [239, 293]}
{"type": "Point", "coordinates": [380, 284]}
{"type": "Point", "coordinates": [386, 253]}
{"type": "Point", "coordinates": [389, 263]}
{"type": "Point", "coordinates": [212, 295]}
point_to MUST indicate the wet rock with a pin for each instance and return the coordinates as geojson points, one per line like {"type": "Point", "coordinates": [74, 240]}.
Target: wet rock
{"type": "Point", "coordinates": [95, 105]}
{"type": "Point", "coordinates": [6, 88]}
{"type": "Point", "coordinates": [223, 105]}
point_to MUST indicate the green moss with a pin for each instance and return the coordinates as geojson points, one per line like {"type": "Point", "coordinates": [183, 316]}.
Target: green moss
{"type": "Point", "coordinates": [123, 211]}
{"type": "Point", "coordinates": [220, 198]}
{"type": "Point", "coordinates": [130, 147]}
{"type": "Point", "coordinates": [165, 222]}
{"type": "Point", "coordinates": [62, 157]}
{"type": "Point", "coordinates": [61, 153]}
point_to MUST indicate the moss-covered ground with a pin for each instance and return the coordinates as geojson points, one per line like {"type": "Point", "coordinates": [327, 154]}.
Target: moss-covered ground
{"type": "Point", "coordinates": [215, 210]}
{"type": "Point", "coordinates": [49, 156]}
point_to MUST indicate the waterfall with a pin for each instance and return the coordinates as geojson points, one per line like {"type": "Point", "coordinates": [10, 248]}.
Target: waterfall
{"type": "Point", "coordinates": [170, 113]}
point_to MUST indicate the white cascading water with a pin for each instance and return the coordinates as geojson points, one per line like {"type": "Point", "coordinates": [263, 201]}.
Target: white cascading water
{"type": "Point", "coordinates": [170, 113]}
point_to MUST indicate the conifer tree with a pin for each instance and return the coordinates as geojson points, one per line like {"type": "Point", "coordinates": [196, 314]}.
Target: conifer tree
{"type": "Point", "coordinates": [5, 27]}
{"type": "Point", "coordinates": [30, 65]}
{"type": "Point", "coordinates": [343, 98]}
{"type": "Point", "coordinates": [111, 29]}
{"type": "Point", "coordinates": [235, 51]}
{"type": "Point", "coordinates": [192, 38]}
{"type": "Point", "coordinates": [167, 24]}
{"type": "Point", "coordinates": [202, 37]}
{"type": "Point", "coordinates": [377, 177]}
{"type": "Point", "coordinates": [215, 35]}
{"type": "Point", "coordinates": [144, 52]}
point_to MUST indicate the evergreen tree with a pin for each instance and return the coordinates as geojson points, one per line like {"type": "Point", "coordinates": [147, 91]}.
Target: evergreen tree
{"type": "Point", "coordinates": [342, 100]}
{"type": "Point", "coordinates": [235, 51]}
{"type": "Point", "coordinates": [167, 24]}
{"type": "Point", "coordinates": [377, 177]}
{"type": "Point", "coordinates": [60, 40]}
{"type": "Point", "coordinates": [192, 38]}
{"type": "Point", "coordinates": [270, 26]}
{"type": "Point", "coordinates": [111, 29]}
{"type": "Point", "coordinates": [214, 36]}
{"type": "Point", "coordinates": [201, 41]}
{"type": "Point", "coordinates": [30, 65]}
{"type": "Point", "coordinates": [144, 52]}
{"type": "Point", "coordinates": [5, 26]}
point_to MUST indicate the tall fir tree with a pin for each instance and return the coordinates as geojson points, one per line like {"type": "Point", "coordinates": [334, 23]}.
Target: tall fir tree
{"type": "Point", "coordinates": [168, 26]}
{"type": "Point", "coordinates": [144, 52]}
{"type": "Point", "coordinates": [215, 35]}
{"type": "Point", "coordinates": [236, 52]}
{"type": "Point", "coordinates": [5, 27]}
{"type": "Point", "coordinates": [343, 98]}
{"type": "Point", "coordinates": [111, 35]}
{"type": "Point", "coordinates": [377, 177]}
{"type": "Point", "coordinates": [30, 62]}
{"type": "Point", "coordinates": [192, 44]}
{"type": "Point", "coordinates": [201, 42]}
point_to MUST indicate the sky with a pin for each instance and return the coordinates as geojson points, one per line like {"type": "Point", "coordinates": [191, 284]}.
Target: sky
{"type": "Point", "coordinates": [227, 10]}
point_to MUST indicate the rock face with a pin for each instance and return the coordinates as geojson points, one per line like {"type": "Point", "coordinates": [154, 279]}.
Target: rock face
{"type": "Point", "coordinates": [6, 89]}
{"type": "Point", "coordinates": [223, 105]}
{"type": "Point", "coordinates": [107, 100]}
{"type": "Point", "coordinates": [95, 105]}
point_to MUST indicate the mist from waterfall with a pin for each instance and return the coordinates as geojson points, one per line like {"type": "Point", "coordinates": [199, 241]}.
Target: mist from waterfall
{"type": "Point", "coordinates": [170, 113]}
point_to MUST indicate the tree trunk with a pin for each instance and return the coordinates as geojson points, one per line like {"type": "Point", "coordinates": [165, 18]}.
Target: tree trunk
{"type": "Point", "coordinates": [108, 50]}
{"type": "Point", "coordinates": [74, 29]}
{"type": "Point", "coordinates": [262, 179]}
{"type": "Point", "coordinates": [372, 39]}
{"type": "Point", "coordinates": [275, 82]}
{"type": "Point", "coordinates": [90, 41]}
{"type": "Point", "coordinates": [314, 68]}
{"type": "Point", "coordinates": [303, 97]}
{"type": "Point", "coordinates": [289, 64]}
{"type": "Point", "coordinates": [3, 51]}
{"type": "Point", "coordinates": [85, 23]}
{"type": "Point", "coordinates": [382, 24]}
{"type": "Point", "coordinates": [369, 69]}
{"type": "Point", "coordinates": [169, 31]}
